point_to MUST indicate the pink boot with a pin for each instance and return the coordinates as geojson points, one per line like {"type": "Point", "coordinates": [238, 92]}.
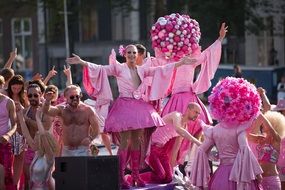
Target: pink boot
{"type": "Point", "coordinates": [135, 159]}
{"type": "Point", "coordinates": [122, 166]}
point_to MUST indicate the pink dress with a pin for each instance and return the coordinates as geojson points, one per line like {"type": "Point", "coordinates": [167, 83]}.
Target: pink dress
{"type": "Point", "coordinates": [184, 90]}
{"type": "Point", "coordinates": [130, 111]}
{"type": "Point", "coordinates": [238, 165]}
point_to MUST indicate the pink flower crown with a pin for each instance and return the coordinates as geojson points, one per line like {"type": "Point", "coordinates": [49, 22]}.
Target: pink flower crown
{"type": "Point", "coordinates": [122, 50]}
{"type": "Point", "coordinates": [234, 101]}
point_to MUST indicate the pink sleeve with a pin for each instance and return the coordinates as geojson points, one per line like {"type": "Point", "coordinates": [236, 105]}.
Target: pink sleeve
{"type": "Point", "coordinates": [95, 80]}
{"type": "Point", "coordinates": [200, 173]}
{"type": "Point", "coordinates": [209, 60]}
{"type": "Point", "coordinates": [246, 166]}
{"type": "Point", "coordinates": [161, 77]}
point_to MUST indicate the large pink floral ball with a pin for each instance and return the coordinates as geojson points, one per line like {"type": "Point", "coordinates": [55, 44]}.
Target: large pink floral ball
{"type": "Point", "coordinates": [175, 35]}
{"type": "Point", "coordinates": [234, 101]}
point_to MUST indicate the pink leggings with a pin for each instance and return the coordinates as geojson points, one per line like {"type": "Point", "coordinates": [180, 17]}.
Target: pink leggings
{"type": "Point", "coordinates": [7, 159]}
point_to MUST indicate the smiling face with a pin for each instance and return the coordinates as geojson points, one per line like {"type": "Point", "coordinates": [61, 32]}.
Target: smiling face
{"type": "Point", "coordinates": [73, 96]}
{"type": "Point", "coordinates": [34, 96]}
{"type": "Point", "coordinates": [131, 55]}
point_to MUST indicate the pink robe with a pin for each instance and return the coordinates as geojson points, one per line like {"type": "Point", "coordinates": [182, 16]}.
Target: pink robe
{"type": "Point", "coordinates": [184, 90]}
{"type": "Point", "coordinates": [238, 165]}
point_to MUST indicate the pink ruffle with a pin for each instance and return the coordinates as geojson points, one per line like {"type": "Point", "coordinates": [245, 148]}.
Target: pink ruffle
{"type": "Point", "coordinates": [200, 173]}
{"type": "Point", "coordinates": [95, 81]}
{"type": "Point", "coordinates": [245, 168]}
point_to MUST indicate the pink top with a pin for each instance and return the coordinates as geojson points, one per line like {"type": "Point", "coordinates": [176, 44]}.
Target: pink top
{"type": "Point", "coordinates": [267, 153]}
{"type": "Point", "coordinates": [163, 134]}
{"type": "Point", "coordinates": [233, 150]}
{"type": "Point", "coordinates": [209, 60]}
{"type": "Point", "coordinates": [4, 116]}
{"type": "Point", "coordinates": [96, 82]}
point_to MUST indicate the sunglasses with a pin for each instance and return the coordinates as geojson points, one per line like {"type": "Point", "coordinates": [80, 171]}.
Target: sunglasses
{"type": "Point", "coordinates": [76, 96]}
{"type": "Point", "coordinates": [33, 95]}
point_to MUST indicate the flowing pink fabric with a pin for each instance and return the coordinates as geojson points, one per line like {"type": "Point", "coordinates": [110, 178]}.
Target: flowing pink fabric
{"type": "Point", "coordinates": [234, 151]}
{"type": "Point", "coordinates": [7, 159]}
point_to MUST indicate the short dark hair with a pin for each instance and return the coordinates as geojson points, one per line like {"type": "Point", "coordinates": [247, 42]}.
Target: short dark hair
{"type": "Point", "coordinates": [141, 48]}
{"type": "Point", "coordinates": [40, 84]}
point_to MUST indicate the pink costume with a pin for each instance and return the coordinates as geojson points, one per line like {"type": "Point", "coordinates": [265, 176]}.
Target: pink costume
{"type": "Point", "coordinates": [184, 90]}
{"type": "Point", "coordinates": [238, 166]}
{"type": "Point", "coordinates": [130, 111]}
{"type": "Point", "coordinates": [266, 153]}
{"type": "Point", "coordinates": [161, 152]}
{"type": "Point", "coordinates": [6, 155]}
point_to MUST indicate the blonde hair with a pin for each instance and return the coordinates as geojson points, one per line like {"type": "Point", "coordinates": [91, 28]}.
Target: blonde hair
{"type": "Point", "coordinates": [277, 121]}
{"type": "Point", "coordinates": [73, 87]}
{"type": "Point", "coordinates": [47, 143]}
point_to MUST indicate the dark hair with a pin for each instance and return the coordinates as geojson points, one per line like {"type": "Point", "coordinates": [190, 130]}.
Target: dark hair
{"type": "Point", "coordinates": [40, 84]}
{"type": "Point", "coordinates": [7, 73]}
{"type": "Point", "coordinates": [17, 79]}
{"type": "Point", "coordinates": [51, 88]}
{"type": "Point", "coordinates": [141, 48]}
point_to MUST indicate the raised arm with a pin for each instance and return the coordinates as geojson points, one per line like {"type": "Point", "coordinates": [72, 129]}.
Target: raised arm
{"type": "Point", "coordinates": [223, 31]}
{"type": "Point", "coordinates": [67, 72]}
{"type": "Point", "coordinates": [265, 101]}
{"type": "Point", "coordinates": [11, 59]}
{"type": "Point", "coordinates": [51, 74]}
{"type": "Point", "coordinates": [24, 127]}
{"type": "Point", "coordinates": [48, 109]}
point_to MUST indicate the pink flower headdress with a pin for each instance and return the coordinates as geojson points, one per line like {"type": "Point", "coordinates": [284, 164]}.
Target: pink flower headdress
{"type": "Point", "coordinates": [122, 50]}
{"type": "Point", "coordinates": [176, 35]}
{"type": "Point", "coordinates": [234, 101]}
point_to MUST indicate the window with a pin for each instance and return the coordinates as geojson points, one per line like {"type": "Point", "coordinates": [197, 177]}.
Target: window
{"type": "Point", "coordinates": [22, 40]}
{"type": "Point", "coordinates": [1, 44]}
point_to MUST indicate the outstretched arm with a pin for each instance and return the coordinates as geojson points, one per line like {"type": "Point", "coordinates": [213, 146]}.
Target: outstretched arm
{"type": "Point", "coordinates": [48, 109]}
{"type": "Point", "coordinates": [75, 60]}
{"type": "Point", "coordinates": [174, 118]}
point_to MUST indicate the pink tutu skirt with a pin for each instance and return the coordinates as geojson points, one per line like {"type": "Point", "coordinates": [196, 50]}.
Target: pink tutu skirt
{"type": "Point", "coordinates": [220, 180]}
{"type": "Point", "coordinates": [179, 102]}
{"type": "Point", "coordinates": [131, 114]}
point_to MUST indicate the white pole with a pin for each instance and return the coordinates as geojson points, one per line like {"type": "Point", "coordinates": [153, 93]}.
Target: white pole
{"type": "Point", "coordinates": [66, 29]}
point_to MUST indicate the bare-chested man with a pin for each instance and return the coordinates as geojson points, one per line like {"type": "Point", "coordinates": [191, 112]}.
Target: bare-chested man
{"type": "Point", "coordinates": [80, 124]}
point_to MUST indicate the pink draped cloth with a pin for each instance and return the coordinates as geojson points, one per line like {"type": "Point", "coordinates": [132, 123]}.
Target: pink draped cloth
{"type": "Point", "coordinates": [96, 83]}
{"type": "Point", "coordinates": [184, 90]}
{"type": "Point", "coordinates": [234, 151]}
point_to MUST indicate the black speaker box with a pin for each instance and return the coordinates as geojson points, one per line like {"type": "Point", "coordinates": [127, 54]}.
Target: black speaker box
{"type": "Point", "coordinates": [87, 173]}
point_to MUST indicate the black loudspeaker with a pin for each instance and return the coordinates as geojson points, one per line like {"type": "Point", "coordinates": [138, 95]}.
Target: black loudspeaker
{"type": "Point", "coordinates": [87, 173]}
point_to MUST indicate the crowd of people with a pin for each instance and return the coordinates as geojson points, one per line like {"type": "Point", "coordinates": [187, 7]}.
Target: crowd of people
{"type": "Point", "coordinates": [36, 126]}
